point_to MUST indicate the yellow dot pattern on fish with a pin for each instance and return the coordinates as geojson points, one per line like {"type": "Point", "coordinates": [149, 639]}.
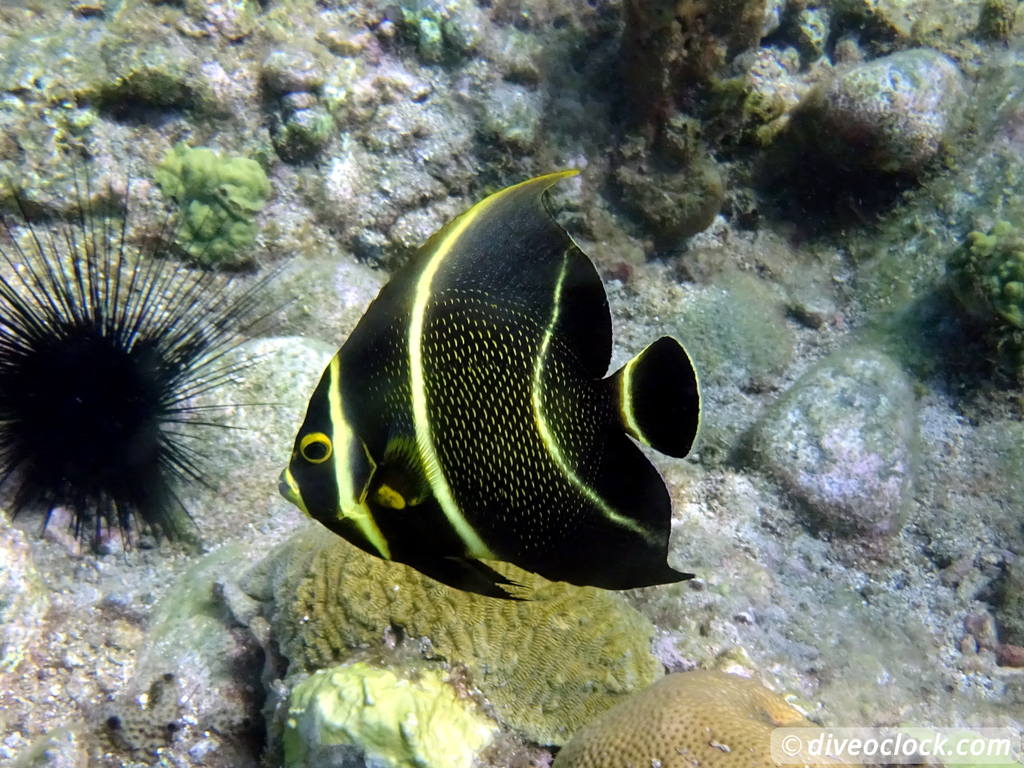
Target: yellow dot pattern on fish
{"type": "Point", "coordinates": [480, 359]}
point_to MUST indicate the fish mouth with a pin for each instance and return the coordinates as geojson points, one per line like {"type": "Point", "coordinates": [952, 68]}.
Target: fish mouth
{"type": "Point", "coordinates": [286, 487]}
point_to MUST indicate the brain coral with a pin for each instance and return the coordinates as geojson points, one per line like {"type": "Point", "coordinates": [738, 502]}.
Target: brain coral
{"type": "Point", "coordinates": [546, 665]}
{"type": "Point", "coordinates": [702, 718]}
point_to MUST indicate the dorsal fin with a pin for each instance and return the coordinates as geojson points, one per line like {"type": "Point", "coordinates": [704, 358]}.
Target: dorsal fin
{"type": "Point", "coordinates": [508, 250]}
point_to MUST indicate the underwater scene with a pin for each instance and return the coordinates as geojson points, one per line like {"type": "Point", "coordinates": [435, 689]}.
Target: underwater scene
{"type": "Point", "coordinates": [510, 383]}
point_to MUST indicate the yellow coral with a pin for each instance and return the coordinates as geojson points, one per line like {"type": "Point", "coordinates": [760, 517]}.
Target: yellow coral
{"type": "Point", "coordinates": [547, 665]}
{"type": "Point", "coordinates": [703, 718]}
{"type": "Point", "coordinates": [405, 723]}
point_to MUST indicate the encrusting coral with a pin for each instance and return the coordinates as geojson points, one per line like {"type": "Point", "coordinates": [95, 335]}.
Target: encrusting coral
{"type": "Point", "coordinates": [219, 198]}
{"type": "Point", "coordinates": [705, 718]}
{"type": "Point", "coordinates": [399, 722]}
{"type": "Point", "coordinates": [988, 277]}
{"type": "Point", "coordinates": [546, 665]}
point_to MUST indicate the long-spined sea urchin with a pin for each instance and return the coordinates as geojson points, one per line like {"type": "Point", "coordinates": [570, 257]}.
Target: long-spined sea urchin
{"type": "Point", "coordinates": [104, 344]}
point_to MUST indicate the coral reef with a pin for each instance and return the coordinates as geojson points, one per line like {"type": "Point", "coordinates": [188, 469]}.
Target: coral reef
{"type": "Point", "coordinates": [219, 196]}
{"type": "Point", "coordinates": [705, 718]}
{"type": "Point", "coordinates": [381, 119]}
{"type": "Point", "coordinates": [399, 722]}
{"type": "Point", "coordinates": [545, 665]}
{"type": "Point", "coordinates": [987, 275]}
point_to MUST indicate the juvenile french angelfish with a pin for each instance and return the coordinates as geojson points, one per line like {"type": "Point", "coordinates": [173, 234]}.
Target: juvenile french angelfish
{"type": "Point", "coordinates": [468, 416]}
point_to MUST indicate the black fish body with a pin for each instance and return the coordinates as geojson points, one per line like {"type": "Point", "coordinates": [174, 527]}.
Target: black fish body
{"type": "Point", "coordinates": [467, 416]}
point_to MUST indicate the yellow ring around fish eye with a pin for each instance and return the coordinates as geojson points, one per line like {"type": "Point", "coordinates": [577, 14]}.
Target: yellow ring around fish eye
{"type": "Point", "coordinates": [316, 447]}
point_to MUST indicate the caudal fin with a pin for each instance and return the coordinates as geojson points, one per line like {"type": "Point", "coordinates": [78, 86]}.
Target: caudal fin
{"type": "Point", "coordinates": [659, 398]}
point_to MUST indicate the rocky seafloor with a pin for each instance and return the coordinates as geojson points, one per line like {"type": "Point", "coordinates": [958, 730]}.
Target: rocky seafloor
{"type": "Point", "coordinates": [822, 200]}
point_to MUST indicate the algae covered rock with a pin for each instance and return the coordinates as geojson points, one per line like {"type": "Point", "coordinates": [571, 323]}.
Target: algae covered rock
{"type": "Point", "coordinates": [890, 115]}
{"type": "Point", "coordinates": [220, 197]}
{"type": "Point", "coordinates": [940, 21]}
{"type": "Point", "coordinates": [414, 722]}
{"type": "Point", "coordinates": [710, 719]}
{"type": "Point", "coordinates": [842, 442]}
{"type": "Point", "coordinates": [1010, 612]}
{"type": "Point", "coordinates": [997, 19]}
{"type": "Point", "coordinates": [545, 665]}
{"type": "Point", "coordinates": [673, 185]}
{"type": "Point", "coordinates": [155, 73]}
{"type": "Point", "coordinates": [987, 275]}
{"type": "Point", "coordinates": [668, 45]}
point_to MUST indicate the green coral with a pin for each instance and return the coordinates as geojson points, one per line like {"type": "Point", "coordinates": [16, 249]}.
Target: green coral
{"type": "Point", "coordinates": [988, 278]}
{"type": "Point", "coordinates": [219, 197]}
{"type": "Point", "coordinates": [546, 665]}
{"type": "Point", "coordinates": [397, 722]}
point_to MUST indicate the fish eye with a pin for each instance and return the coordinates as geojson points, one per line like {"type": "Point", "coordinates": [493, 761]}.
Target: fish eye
{"type": "Point", "coordinates": [315, 447]}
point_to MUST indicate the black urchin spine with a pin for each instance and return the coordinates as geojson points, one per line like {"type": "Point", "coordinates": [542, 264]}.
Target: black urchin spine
{"type": "Point", "coordinates": [103, 347]}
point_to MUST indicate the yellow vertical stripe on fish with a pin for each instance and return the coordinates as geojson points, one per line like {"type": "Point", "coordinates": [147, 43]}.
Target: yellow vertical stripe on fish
{"type": "Point", "coordinates": [547, 436]}
{"type": "Point", "coordinates": [626, 402]}
{"type": "Point", "coordinates": [351, 506]}
{"type": "Point", "coordinates": [418, 386]}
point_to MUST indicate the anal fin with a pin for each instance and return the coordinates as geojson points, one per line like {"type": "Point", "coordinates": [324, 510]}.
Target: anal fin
{"type": "Point", "coordinates": [469, 576]}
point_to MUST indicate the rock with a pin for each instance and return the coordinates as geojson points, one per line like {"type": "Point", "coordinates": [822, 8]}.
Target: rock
{"type": "Point", "coordinates": [60, 748]}
{"type": "Point", "coordinates": [292, 69]}
{"type": "Point", "coordinates": [756, 105]}
{"type": "Point", "coordinates": [512, 114]}
{"type": "Point", "coordinates": [1008, 655]}
{"type": "Point", "coordinates": [160, 73]}
{"type": "Point", "coordinates": [675, 197]}
{"type": "Point", "coordinates": [300, 134]}
{"type": "Point", "coordinates": [890, 115]}
{"type": "Point", "coordinates": [997, 20]}
{"type": "Point", "coordinates": [909, 20]}
{"type": "Point", "coordinates": [736, 330]}
{"type": "Point", "coordinates": [1010, 611]}
{"type": "Point", "coordinates": [198, 674]}
{"type": "Point", "coordinates": [23, 599]}
{"type": "Point", "coordinates": [812, 30]}
{"type": "Point", "coordinates": [982, 628]}
{"type": "Point", "coordinates": [278, 371]}
{"type": "Point", "coordinates": [841, 441]}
